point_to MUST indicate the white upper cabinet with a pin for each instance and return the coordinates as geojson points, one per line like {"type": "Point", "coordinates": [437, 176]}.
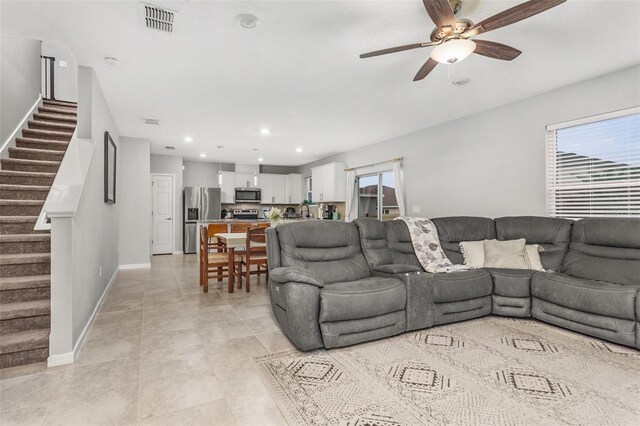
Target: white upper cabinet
{"type": "Point", "coordinates": [228, 188]}
{"type": "Point", "coordinates": [272, 187]}
{"type": "Point", "coordinates": [328, 183]}
{"type": "Point", "coordinates": [293, 188]}
{"type": "Point", "coordinates": [245, 180]}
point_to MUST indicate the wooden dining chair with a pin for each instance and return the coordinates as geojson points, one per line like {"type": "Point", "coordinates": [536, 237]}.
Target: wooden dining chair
{"type": "Point", "coordinates": [217, 261]}
{"type": "Point", "coordinates": [238, 227]}
{"type": "Point", "coordinates": [264, 224]}
{"type": "Point", "coordinates": [255, 254]}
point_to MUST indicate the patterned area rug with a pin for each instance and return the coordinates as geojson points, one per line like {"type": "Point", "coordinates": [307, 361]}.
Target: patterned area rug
{"type": "Point", "coordinates": [490, 371]}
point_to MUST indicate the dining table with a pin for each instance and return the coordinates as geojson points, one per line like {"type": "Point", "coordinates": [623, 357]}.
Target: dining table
{"type": "Point", "coordinates": [232, 241]}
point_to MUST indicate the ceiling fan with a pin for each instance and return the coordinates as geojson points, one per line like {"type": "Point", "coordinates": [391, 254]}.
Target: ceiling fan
{"type": "Point", "coordinates": [452, 37]}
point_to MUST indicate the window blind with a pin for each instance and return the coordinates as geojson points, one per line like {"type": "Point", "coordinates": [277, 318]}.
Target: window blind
{"type": "Point", "coordinates": [593, 166]}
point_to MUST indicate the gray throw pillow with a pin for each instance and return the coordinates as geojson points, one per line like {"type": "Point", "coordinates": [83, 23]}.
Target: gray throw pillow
{"type": "Point", "coordinates": [505, 254]}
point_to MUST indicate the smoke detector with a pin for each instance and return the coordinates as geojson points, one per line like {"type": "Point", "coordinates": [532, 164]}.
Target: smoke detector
{"type": "Point", "coordinates": [111, 61]}
{"type": "Point", "coordinates": [151, 121]}
{"type": "Point", "coordinates": [158, 18]}
{"type": "Point", "coordinates": [248, 21]}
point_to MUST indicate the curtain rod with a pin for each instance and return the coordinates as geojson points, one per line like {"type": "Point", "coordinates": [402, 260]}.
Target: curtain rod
{"type": "Point", "coordinates": [375, 164]}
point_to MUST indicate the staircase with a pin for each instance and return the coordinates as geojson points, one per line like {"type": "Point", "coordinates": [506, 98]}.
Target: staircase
{"type": "Point", "coordinates": [25, 254]}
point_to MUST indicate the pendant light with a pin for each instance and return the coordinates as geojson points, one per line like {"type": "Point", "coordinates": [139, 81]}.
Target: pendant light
{"type": "Point", "coordinates": [220, 167]}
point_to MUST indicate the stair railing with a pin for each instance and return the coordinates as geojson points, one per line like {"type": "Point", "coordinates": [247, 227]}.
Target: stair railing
{"type": "Point", "coordinates": [48, 80]}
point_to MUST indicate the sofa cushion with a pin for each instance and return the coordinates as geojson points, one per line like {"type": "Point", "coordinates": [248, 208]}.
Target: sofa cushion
{"type": "Point", "coordinates": [453, 230]}
{"type": "Point", "coordinates": [605, 249]}
{"type": "Point", "coordinates": [553, 234]}
{"type": "Point", "coordinates": [511, 282]}
{"type": "Point", "coordinates": [458, 286]}
{"type": "Point", "coordinates": [595, 297]}
{"type": "Point", "coordinates": [329, 249]}
{"type": "Point", "coordinates": [364, 298]}
{"type": "Point", "coordinates": [399, 243]}
{"type": "Point", "coordinates": [373, 238]}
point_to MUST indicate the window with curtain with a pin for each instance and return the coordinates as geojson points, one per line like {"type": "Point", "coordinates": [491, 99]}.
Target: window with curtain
{"type": "Point", "coordinates": [593, 166]}
{"type": "Point", "coordinates": [377, 196]}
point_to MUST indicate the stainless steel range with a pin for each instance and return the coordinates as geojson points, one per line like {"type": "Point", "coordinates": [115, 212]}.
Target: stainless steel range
{"type": "Point", "coordinates": [245, 214]}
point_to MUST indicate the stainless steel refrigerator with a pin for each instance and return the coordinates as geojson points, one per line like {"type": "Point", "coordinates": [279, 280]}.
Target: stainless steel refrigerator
{"type": "Point", "coordinates": [200, 204]}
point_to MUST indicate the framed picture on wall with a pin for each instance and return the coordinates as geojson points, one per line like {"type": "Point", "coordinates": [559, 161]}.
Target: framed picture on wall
{"type": "Point", "coordinates": [110, 149]}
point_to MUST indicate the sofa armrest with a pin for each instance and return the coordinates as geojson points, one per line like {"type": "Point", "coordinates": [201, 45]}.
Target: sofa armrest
{"type": "Point", "coordinates": [285, 275]}
{"type": "Point", "coordinates": [396, 268]}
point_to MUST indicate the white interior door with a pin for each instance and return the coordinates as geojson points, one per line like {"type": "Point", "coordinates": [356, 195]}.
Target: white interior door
{"type": "Point", "coordinates": [162, 214]}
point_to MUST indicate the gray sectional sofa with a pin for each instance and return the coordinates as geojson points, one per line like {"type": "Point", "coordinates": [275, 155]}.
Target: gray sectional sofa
{"type": "Point", "coordinates": [335, 284]}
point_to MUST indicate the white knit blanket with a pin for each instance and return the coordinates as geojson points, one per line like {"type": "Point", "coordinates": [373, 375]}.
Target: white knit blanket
{"type": "Point", "coordinates": [426, 244]}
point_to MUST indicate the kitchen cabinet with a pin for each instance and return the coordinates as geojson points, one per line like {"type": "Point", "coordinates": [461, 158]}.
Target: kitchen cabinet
{"type": "Point", "coordinates": [228, 188]}
{"type": "Point", "coordinates": [328, 183]}
{"type": "Point", "coordinates": [293, 188]}
{"type": "Point", "coordinates": [245, 180]}
{"type": "Point", "coordinates": [272, 188]}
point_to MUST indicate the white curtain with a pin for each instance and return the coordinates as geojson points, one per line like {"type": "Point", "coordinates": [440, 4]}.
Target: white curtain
{"type": "Point", "coordinates": [349, 207]}
{"type": "Point", "coordinates": [397, 176]}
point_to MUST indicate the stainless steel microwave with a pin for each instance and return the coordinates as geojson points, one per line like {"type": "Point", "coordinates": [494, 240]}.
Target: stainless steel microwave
{"type": "Point", "coordinates": [248, 195]}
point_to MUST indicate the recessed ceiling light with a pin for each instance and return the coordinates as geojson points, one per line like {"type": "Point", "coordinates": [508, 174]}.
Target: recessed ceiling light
{"type": "Point", "coordinates": [264, 131]}
{"type": "Point", "coordinates": [461, 81]}
{"type": "Point", "coordinates": [298, 149]}
{"type": "Point", "coordinates": [261, 159]}
{"type": "Point", "coordinates": [112, 61]}
{"type": "Point", "coordinates": [248, 21]}
{"type": "Point", "coordinates": [203, 155]}
{"type": "Point", "coordinates": [188, 139]}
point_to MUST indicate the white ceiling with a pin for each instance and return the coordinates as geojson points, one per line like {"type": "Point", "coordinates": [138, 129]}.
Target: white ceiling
{"type": "Point", "coordinates": [298, 73]}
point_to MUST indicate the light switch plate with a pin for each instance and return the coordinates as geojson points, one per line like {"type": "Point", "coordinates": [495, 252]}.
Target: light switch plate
{"type": "Point", "coordinates": [63, 64]}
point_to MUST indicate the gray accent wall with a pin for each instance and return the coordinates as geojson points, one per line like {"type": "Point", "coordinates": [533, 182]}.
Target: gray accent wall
{"type": "Point", "coordinates": [19, 80]}
{"type": "Point", "coordinates": [172, 165]}
{"type": "Point", "coordinates": [492, 163]}
{"type": "Point", "coordinates": [134, 201]}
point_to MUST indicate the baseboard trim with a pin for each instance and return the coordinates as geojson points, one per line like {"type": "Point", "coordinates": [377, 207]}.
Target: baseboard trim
{"type": "Point", "coordinates": [135, 266]}
{"type": "Point", "coordinates": [70, 357]}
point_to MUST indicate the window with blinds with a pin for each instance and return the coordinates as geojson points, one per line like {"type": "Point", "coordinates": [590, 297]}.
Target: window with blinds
{"type": "Point", "coordinates": [593, 166]}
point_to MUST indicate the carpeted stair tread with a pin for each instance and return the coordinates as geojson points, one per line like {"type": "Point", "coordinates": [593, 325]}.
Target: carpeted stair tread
{"type": "Point", "coordinates": [11, 238]}
{"type": "Point", "coordinates": [66, 104]}
{"type": "Point", "coordinates": [25, 282]}
{"type": "Point", "coordinates": [21, 202]}
{"type": "Point", "coordinates": [36, 154]}
{"type": "Point", "coordinates": [24, 309]}
{"type": "Point", "coordinates": [47, 134]}
{"type": "Point", "coordinates": [55, 127]}
{"type": "Point", "coordinates": [21, 258]}
{"type": "Point", "coordinates": [57, 110]}
{"type": "Point", "coordinates": [30, 162]}
{"type": "Point", "coordinates": [55, 118]}
{"type": "Point", "coordinates": [18, 219]}
{"type": "Point", "coordinates": [42, 144]}
{"type": "Point", "coordinates": [24, 340]}
{"type": "Point", "coordinates": [23, 187]}
{"type": "Point", "coordinates": [18, 173]}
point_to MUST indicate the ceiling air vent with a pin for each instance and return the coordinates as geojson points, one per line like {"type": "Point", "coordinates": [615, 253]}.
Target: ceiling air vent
{"type": "Point", "coordinates": [151, 121]}
{"type": "Point", "coordinates": [170, 148]}
{"type": "Point", "coordinates": [157, 18]}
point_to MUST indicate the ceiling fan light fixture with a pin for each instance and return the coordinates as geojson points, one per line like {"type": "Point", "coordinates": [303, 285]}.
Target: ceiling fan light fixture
{"type": "Point", "coordinates": [452, 51]}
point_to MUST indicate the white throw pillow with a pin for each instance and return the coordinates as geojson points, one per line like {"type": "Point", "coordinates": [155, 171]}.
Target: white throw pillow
{"type": "Point", "coordinates": [473, 253]}
{"type": "Point", "coordinates": [532, 252]}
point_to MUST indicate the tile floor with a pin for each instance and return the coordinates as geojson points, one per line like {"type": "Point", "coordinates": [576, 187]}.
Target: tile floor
{"type": "Point", "coordinates": [160, 352]}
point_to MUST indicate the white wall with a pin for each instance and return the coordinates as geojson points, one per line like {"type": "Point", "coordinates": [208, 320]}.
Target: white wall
{"type": "Point", "coordinates": [19, 80]}
{"type": "Point", "coordinates": [65, 78]}
{"type": "Point", "coordinates": [198, 173]}
{"type": "Point", "coordinates": [492, 163]}
{"type": "Point", "coordinates": [173, 165]}
{"type": "Point", "coordinates": [95, 236]}
{"type": "Point", "coordinates": [134, 200]}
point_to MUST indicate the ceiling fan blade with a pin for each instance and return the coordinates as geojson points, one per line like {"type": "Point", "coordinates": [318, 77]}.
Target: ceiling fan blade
{"type": "Point", "coordinates": [494, 50]}
{"type": "Point", "coordinates": [397, 49]}
{"type": "Point", "coordinates": [425, 69]}
{"type": "Point", "coordinates": [513, 15]}
{"type": "Point", "coordinates": [441, 14]}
